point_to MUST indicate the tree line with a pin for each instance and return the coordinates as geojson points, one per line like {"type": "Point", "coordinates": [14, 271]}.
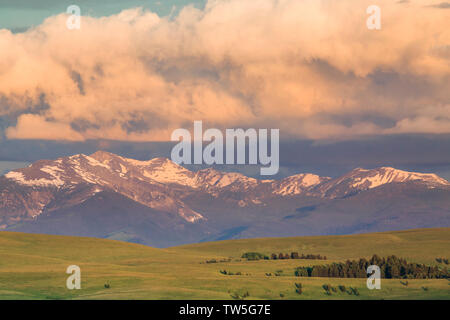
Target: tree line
{"type": "Point", "coordinates": [279, 256]}
{"type": "Point", "coordinates": [391, 267]}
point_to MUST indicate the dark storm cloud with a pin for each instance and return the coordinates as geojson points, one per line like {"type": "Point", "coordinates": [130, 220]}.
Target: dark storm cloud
{"type": "Point", "coordinates": [81, 125]}
{"type": "Point", "coordinates": [9, 110]}
{"type": "Point", "coordinates": [76, 77]}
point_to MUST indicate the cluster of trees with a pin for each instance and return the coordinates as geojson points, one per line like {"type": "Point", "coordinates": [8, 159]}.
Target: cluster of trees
{"type": "Point", "coordinates": [295, 255]}
{"type": "Point", "coordinates": [215, 261]}
{"type": "Point", "coordinates": [229, 273]}
{"type": "Point", "coordinates": [275, 256]}
{"type": "Point", "coordinates": [254, 256]}
{"type": "Point", "coordinates": [391, 267]}
{"type": "Point", "coordinates": [329, 289]}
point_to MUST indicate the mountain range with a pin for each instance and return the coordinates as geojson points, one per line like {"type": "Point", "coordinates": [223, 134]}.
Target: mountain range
{"type": "Point", "coordinates": [160, 203]}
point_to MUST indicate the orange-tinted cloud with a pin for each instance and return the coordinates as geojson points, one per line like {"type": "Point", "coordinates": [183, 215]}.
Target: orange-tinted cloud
{"type": "Point", "coordinates": [310, 68]}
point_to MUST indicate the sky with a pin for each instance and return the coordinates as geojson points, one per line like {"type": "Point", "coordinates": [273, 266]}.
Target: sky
{"type": "Point", "coordinates": [342, 95]}
{"type": "Point", "coordinates": [19, 15]}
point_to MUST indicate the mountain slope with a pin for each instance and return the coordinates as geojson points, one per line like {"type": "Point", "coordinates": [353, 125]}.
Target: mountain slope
{"type": "Point", "coordinates": [111, 215]}
{"type": "Point", "coordinates": [361, 179]}
{"type": "Point", "coordinates": [160, 203]}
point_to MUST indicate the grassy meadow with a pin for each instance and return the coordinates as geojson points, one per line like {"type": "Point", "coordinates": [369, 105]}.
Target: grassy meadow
{"type": "Point", "coordinates": [33, 267]}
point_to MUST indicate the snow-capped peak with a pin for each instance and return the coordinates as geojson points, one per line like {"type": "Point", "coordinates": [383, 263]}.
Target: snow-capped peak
{"type": "Point", "coordinates": [166, 171]}
{"type": "Point", "coordinates": [109, 170]}
{"type": "Point", "coordinates": [379, 176]}
{"type": "Point", "coordinates": [297, 184]}
{"type": "Point", "coordinates": [218, 179]}
{"type": "Point", "coordinates": [360, 179]}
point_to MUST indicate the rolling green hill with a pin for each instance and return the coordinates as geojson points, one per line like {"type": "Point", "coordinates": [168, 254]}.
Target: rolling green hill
{"type": "Point", "coordinates": [33, 267]}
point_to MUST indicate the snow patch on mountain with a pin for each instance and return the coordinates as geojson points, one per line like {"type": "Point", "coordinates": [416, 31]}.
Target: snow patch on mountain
{"type": "Point", "coordinates": [85, 175]}
{"type": "Point", "coordinates": [384, 175]}
{"type": "Point", "coordinates": [297, 184]}
{"type": "Point", "coordinates": [210, 178]}
{"type": "Point", "coordinates": [123, 169]}
{"type": "Point", "coordinates": [93, 162]}
{"type": "Point", "coordinates": [20, 178]}
{"type": "Point", "coordinates": [190, 215]}
{"type": "Point", "coordinates": [165, 171]}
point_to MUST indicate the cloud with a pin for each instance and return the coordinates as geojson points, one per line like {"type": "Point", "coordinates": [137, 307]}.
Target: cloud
{"type": "Point", "coordinates": [310, 68]}
{"type": "Point", "coordinates": [30, 125]}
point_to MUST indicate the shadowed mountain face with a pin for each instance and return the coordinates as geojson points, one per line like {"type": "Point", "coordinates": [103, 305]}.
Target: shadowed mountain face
{"type": "Point", "coordinates": [160, 203]}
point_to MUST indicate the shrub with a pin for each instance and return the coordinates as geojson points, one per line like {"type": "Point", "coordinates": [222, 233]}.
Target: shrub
{"type": "Point", "coordinates": [298, 285]}
{"type": "Point", "coordinates": [253, 256]}
{"type": "Point", "coordinates": [342, 288]}
{"type": "Point", "coordinates": [354, 291]}
{"type": "Point", "coordinates": [238, 296]}
{"type": "Point", "coordinates": [229, 273]}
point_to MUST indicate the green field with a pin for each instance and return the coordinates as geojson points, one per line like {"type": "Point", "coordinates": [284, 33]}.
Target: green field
{"type": "Point", "coordinates": [33, 267]}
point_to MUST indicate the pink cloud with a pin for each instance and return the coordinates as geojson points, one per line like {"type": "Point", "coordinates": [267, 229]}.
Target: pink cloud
{"type": "Point", "coordinates": [300, 66]}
